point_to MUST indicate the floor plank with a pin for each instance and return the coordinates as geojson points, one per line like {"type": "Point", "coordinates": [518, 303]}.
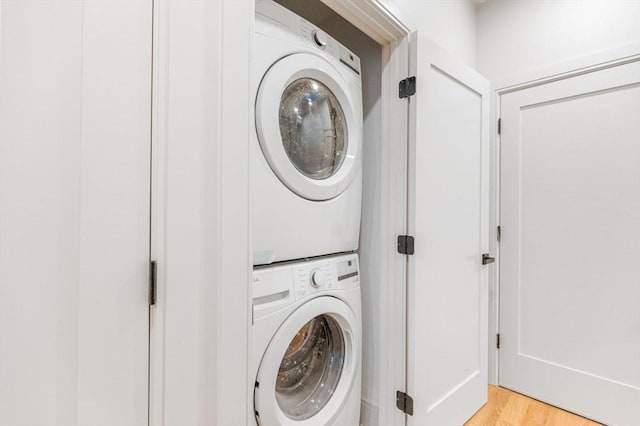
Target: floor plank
{"type": "Point", "coordinates": [508, 408]}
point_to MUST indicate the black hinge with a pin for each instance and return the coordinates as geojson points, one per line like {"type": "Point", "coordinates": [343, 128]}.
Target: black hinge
{"type": "Point", "coordinates": [487, 260]}
{"type": "Point", "coordinates": [407, 87]}
{"type": "Point", "coordinates": [153, 284]}
{"type": "Point", "coordinates": [498, 340]}
{"type": "Point", "coordinates": [405, 244]}
{"type": "Point", "coordinates": [499, 126]}
{"type": "Point", "coordinates": [404, 403]}
{"type": "Point", "coordinates": [499, 233]}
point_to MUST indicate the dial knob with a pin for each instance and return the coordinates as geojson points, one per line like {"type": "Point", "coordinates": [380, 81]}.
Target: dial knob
{"type": "Point", "coordinates": [317, 279]}
{"type": "Point", "coordinates": [320, 39]}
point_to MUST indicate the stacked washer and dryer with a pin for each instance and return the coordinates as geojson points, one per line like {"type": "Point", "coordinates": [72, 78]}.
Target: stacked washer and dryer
{"type": "Point", "coordinates": [306, 201]}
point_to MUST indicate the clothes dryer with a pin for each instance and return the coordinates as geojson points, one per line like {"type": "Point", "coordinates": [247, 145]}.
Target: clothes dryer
{"type": "Point", "coordinates": [307, 147]}
{"type": "Point", "coordinates": [307, 339]}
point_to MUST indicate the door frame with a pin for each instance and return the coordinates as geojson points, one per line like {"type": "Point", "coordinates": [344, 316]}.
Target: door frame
{"type": "Point", "coordinates": [533, 77]}
{"type": "Point", "coordinates": [197, 361]}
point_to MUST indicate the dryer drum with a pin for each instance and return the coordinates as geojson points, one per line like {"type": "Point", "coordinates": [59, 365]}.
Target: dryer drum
{"type": "Point", "coordinates": [311, 368]}
{"type": "Point", "coordinates": [313, 128]}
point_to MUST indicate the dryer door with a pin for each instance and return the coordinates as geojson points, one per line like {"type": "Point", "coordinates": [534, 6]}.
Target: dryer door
{"type": "Point", "coordinates": [309, 126]}
{"type": "Point", "coordinates": [309, 368]}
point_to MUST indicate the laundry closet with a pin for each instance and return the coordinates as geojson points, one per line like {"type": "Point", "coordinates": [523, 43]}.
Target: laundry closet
{"type": "Point", "coordinates": [497, 228]}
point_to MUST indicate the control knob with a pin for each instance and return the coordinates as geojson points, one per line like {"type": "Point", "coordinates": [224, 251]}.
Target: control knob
{"type": "Point", "coordinates": [317, 279]}
{"type": "Point", "coordinates": [320, 39]}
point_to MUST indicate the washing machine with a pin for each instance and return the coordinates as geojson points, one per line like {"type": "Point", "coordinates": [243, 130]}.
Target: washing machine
{"type": "Point", "coordinates": [307, 339]}
{"type": "Point", "coordinates": [306, 171]}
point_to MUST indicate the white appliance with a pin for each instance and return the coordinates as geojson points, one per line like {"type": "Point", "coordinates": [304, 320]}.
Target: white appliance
{"type": "Point", "coordinates": [306, 151]}
{"type": "Point", "coordinates": [307, 339]}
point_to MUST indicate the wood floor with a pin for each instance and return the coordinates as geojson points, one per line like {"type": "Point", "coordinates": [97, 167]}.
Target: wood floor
{"type": "Point", "coordinates": [508, 408]}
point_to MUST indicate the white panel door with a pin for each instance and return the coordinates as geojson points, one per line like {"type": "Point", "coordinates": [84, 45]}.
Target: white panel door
{"type": "Point", "coordinates": [200, 324]}
{"type": "Point", "coordinates": [570, 249]}
{"type": "Point", "coordinates": [448, 215]}
{"type": "Point", "coordinates": [74, 211]}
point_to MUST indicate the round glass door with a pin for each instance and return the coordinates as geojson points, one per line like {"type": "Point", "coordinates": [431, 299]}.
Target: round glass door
{"type": "Point", "coordinates": [311, 368]}
{"type": "Point", "coordinates": [313, 128]}
{"type": "Point", "coordinates": [309, 125]}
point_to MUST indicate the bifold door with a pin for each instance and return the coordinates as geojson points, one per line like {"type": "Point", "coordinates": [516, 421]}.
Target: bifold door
{"type": "Point", "coordinates": [570, 246]}
{"type": "Point", "coordinates": [448, 215]}
{"type": "Point", "coordinates": [74, 211]}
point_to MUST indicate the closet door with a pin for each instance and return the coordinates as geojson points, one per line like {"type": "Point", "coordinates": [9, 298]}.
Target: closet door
{"type": "Point", "coordinates": [75, 82]}
{"type": "Point", "coordinates": [570, 246]}
{"type": "Point", "coordinates": [448, 215]}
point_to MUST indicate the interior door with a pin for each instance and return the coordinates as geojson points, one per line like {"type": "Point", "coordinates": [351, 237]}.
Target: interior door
{"type": "Point", "coordinates": [570, 247]}
{"type": "Point", "coordinates": [448, 215]}
{"type": "Point", "coordinates": [74, 211]}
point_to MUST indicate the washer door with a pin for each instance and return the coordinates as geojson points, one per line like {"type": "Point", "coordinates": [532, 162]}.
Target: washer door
{"type": "Point", "coordinates": [309, 367]}
{"type": "Point", "coordinates": [307, 126]}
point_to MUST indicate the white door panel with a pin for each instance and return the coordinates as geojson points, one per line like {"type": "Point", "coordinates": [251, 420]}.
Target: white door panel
{"type": "Point", "coordinates": [447, 298]}
{"type": "Point", "coordinates": [74, 211]}
{"type": "Point", "coordinates": [570, 247]}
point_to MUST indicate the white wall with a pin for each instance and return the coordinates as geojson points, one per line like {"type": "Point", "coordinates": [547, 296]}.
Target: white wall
{"type": "Point", "coordinates": [516, 36]}
{"type": "Point", "coordinates": [449, 23]}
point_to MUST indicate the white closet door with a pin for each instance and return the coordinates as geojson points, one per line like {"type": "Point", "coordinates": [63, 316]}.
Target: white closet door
{"type": "Point", "coordinates": [448, 205]}
{"type": "Point", "coordinates": [570, 249]}
{"type": "Point", "coordinates": [74, 211]}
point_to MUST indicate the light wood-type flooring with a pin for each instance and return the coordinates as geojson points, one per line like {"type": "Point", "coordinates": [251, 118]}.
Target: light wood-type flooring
{"type": "Point", "coordinates": [508, 408]}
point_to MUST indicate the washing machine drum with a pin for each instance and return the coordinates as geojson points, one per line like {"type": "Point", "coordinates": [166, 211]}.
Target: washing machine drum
{"type": "Point", "coordinates": [308, 126]}
{"type": "Point", "coordinates": [308, 370]}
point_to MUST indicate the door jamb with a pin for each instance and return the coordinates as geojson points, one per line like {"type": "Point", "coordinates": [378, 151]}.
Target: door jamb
{"type": "Point", "coordinates": [533, 77]}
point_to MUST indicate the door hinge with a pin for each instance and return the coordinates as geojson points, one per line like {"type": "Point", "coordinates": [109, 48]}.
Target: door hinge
{"type": "Point", "coordinates": [404, 403]}
{"type": "Point", "coordinates": [407, 87]}
{"type": "Point", "coordinates": [498, 341]}
{"type": "Point", "coordinates": [499, 233]}
{"type": "Point", "coordinates": [405, 244]}
{"type": "Point", "coordinates": [499, 126]}
{"type": "Point", "coordinates": [153, 282]}
{"type": "Point", "coordinates": [487, 260]}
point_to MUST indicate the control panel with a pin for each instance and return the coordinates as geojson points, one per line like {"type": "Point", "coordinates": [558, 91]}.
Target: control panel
{"type": "Point", "coordinates": [275, 287]}
{"type": "Point", "coordinates": [347, 269]}
{"type": "Point", "coordinates": [282, 20]}
{"type": "Point", "coordinates": [324, 275]}
{"type": "Point", "coordinates": [314, 36]}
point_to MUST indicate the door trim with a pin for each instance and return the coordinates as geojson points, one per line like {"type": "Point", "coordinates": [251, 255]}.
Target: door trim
{"type": "Point", "coordinates": [530, 78]}
{"type": "Point", "coordinates": [372, 18]}
{"type": "Point", "coordinates": [569, 68]}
